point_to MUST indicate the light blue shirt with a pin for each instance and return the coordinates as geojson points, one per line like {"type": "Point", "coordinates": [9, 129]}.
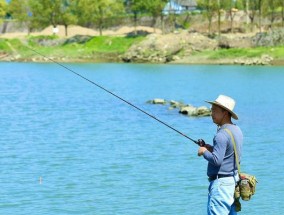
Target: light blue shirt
{"type": "Point", "coordinates": [222, 159]}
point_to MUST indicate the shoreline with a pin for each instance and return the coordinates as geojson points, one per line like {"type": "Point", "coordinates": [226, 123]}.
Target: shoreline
{"type": "Point", "coordinates": [196, 61]}
{"type": "Point", "coordinates": [184, 47]}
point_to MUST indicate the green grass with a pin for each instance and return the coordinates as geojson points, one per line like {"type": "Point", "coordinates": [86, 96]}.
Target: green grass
{"type": "Point", "coordinates": [100, 46]}
{"type": "Point", "coordinates": [112, 44]}
{"type": "Point", "coordinates": [108, 46]}
{"type": "Point", "coordinates": [276, 52]}
{"type": "Point", "coordinates": [97, 45]}
{"type": "Point", "coordinates": [4, 47]}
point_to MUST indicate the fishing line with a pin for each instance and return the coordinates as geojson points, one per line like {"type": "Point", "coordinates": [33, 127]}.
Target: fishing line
{"type": "Point", "coordinates": [120, 98]}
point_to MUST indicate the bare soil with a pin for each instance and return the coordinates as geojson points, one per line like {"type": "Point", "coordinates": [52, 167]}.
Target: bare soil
{"type": "Point", "coordinates": [78, 30]}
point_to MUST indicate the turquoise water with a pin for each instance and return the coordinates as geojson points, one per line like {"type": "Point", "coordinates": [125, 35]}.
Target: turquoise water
{"type": "Point", "coordinates": [68, 147]}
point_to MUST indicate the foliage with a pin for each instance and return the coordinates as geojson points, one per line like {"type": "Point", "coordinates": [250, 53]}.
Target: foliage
{"type": "Point", "coordinates": [210, 9]}
{"type": "Point", "coordinates": [38, 14]}
{"type": "Point", "coordinates": [98, 12]}
{"type": "Point", "coordinates": [3, 9]}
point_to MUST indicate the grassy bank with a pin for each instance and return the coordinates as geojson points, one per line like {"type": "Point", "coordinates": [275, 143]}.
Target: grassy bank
{"type": "Point", "coordinates": [275, 52]}
{"type": "Point", "coordinates": [102, 48]}
{"type": "Point", "coordinates": [229, 56]}
{"type": "Point", "coordinates": [109, 48]}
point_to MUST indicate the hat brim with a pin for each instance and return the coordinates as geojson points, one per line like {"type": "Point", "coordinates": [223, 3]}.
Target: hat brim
{"type": "Point", "coordinates": [218, 104]}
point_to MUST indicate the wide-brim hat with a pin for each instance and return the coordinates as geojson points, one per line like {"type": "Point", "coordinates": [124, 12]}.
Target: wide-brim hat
{"type": "Point", "coordinates": [226, 103]}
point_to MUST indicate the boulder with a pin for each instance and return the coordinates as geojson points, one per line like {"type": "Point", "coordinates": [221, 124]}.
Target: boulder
{"type": "Point", "coordinates": [271, 38]}
{"type": "Point", "coordinates": [185, 109]}
{"type": "Point", "coordinates": [203, 111]}
{"type": "Point", "coordinates": [263, 60]}
{"type": "Point", "coordinates": [175, 104]}
{"type": "Point", "coordinates": [195, 111]}
{"type": "Point", "coordinates": [157, 101]}
{"type": "Point", "coordinates": [166, 48]}
{"type": "Point", "coordinates": [234, 41]}
{"type": "Point", "coordinates": [81, 39]}
{"type": "Point", "coordinates": [189, 110]}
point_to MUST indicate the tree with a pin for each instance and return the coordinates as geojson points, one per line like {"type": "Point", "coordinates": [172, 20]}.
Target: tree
{"type": "Point", "coordinates": [3, 12]}
{"type": "Point", "coordinates": [21, 11]}
{"type": "Point", "coordinates": [38, 13]}
{"type": "Point", "coordinates": [260, 4]}
{"type": "Point", "coordinates": [221, 7]}
{"type": "Point", "coordinates": [67, 15]}
{"type": "Point", "coordinates": [245, 5]}
{"type": "Point", "coordinates": [98, 11]}
{"type": "Point", "coordinates": [251, 11]}
{"type": "Point", "coordinates": [155, 8]}
{"type": "Point", "coordinates": [3, 8]}
{"type": "Point", "coordinates": [279, 9]}
{"type": "Point", "coordinates": [210, 7]}
{"type": "Point", "coordinates": [233, 8]}
{"type": "Point", "coordinates": [135, 7]}
{"type": "Point", "coordinates": [282, 11]}
{"type": "Point", "coordinates": [52, 12]}
{"type": "Point", "coordinates": [271, 11]}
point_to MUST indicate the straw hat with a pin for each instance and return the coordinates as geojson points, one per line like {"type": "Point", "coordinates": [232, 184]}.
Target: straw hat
{"type": "Point", "coordinates": [226, 103]}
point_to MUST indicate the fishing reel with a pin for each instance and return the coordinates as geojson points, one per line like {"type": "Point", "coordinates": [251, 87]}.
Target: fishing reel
{"type": "Point", "coordinates": [200, 142]}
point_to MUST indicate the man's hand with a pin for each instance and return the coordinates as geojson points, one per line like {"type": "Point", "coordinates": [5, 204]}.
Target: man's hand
{"type": "Point", "coordinates": [201, 150]}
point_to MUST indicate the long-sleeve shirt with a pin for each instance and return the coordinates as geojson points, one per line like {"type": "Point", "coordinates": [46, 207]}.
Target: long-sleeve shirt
{"type": "Point", "coordinates": [222, 159]}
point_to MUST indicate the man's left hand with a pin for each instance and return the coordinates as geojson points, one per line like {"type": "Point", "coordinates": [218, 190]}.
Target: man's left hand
{"type": "Point", "coordinates": [201, 150]}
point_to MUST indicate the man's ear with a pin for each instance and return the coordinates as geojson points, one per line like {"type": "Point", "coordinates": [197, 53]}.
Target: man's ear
{"type": "Point", "coordinates": [229, 114]}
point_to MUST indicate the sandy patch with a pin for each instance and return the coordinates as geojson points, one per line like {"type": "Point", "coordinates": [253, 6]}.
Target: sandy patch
{"type": "Point", "coordinates": [78, 30]}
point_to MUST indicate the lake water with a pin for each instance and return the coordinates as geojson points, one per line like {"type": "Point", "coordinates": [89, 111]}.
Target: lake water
{"type": "Point", "coordinates": [67, 147]}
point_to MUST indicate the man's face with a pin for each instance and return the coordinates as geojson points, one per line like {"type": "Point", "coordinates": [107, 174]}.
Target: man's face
{"type": "Point", "coordinates": [217, 114]}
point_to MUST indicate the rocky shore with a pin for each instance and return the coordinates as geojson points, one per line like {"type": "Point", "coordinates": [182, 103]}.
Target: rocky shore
{"type": "Point", "coordinates": [185, 109]}
{"type": "Point", "coordinates": [180, 47]}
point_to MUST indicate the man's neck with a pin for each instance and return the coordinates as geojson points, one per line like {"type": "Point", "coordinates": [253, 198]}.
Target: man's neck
{"type": "Point", "coordinates": [225, 121]}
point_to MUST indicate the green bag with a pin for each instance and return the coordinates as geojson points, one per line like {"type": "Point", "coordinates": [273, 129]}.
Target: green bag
{"type": "Point", "coordinates": [247, 185]}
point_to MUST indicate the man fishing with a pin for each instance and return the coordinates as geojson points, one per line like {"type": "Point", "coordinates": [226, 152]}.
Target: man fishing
{"type": "Point", "coordinates": [222, 169]}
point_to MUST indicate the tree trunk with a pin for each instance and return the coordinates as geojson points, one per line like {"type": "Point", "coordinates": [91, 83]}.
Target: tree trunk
{"type": "Point", "coordinates": [66, 30]}
{"type": "Point", "coordinates": [154, 20]}
{"type": "Point", "coordinates": [252, 21]}
{"type": "Point", "coordinates": [135, 22]}
{"type": "Point", "coordinates": [209, 25]}
{"type": "Point", "coordinates": [283, 14]}
{"type": "Point", "coordinates": [219, 22]}
{"type": "Point", "coordinates": [232, 20]}
{"type": "Point", "coordinates": [219, 19]}
{"type": "Point", "coordinates": [101, 30]}
{"type": "Point", "coordinates": [260, 15]}
{"type": "Point", "coordinates": [247, 12]}
{"type": "Point", "coordinates": [163, 23]}
{"type": "Point", "coordinates": [5, 25]}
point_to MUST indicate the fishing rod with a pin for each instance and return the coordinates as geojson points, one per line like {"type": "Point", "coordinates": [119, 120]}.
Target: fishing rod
{"type": "Point", "coordinates": [199, 142]}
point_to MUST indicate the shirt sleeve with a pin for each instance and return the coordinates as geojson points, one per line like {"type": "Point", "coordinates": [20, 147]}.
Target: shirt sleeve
{"type": "Point", "coordinates": [220, 142]}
